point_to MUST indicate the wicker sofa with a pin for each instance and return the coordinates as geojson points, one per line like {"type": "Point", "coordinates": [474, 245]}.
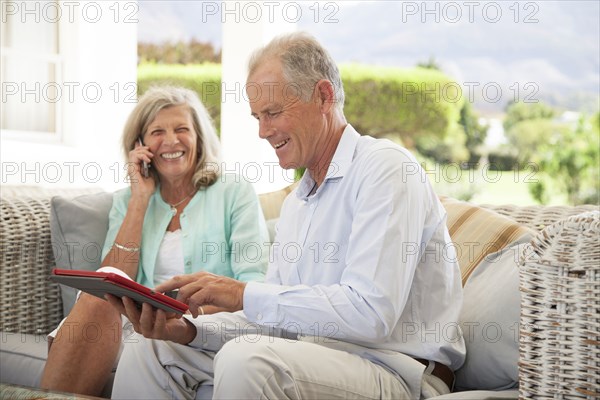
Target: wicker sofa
{"type": "Point", "coordinates": [558, 274]}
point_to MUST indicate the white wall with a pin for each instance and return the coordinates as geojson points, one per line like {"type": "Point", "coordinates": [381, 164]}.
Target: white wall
{"type": "Point", "coordinates": [99, 43]}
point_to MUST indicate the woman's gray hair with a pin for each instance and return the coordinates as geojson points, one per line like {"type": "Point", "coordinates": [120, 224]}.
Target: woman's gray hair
{"type": "Point", "coordinates": [208, 145]}
{"type": "Point", "coordinates": [304, 62]}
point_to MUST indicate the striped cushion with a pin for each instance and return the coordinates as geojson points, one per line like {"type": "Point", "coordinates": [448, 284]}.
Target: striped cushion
{"type": "Point", "coordinates": [271, 202]}
{"type": "Point", "coordinates": [477, 232]}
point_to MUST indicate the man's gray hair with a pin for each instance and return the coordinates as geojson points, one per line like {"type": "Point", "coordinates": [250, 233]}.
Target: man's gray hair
{"type": "Point", "coordinates": [304, 62]}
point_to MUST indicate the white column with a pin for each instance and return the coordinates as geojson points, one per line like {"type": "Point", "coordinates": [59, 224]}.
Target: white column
{"type": "Point", "coordinates": [243, 151]}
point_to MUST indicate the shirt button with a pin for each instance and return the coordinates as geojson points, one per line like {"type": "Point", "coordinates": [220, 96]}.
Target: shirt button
{"type": "Point", "coordinates": [188, 263]}
{"type": "Point", "coordinates": [259, 317]}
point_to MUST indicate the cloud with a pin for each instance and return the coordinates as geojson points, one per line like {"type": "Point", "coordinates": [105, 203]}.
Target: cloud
{"type": "Point", "coordinates": [164, 17]}
{"type": "Point", "coordinates": [558, 50]}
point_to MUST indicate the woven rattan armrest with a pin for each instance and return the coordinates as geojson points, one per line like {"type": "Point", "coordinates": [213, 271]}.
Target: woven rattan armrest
{"type": "Point", "coordinates": [559, 345]}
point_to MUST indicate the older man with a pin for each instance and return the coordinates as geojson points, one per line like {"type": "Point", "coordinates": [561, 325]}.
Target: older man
{"type": "Point", "coordinates": [362, 294]}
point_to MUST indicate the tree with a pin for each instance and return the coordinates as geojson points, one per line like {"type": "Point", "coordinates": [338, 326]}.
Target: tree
{"type": "Point", "coordinates": [448, 149]}
{"type": "Point", "coordinates": [571, 159]}
{"type": "Point", "coordinates": [456, 145]}
{"type": "Point", "coordinates": [527, 137]}
{"type": "Point", "coordinates": [567, 155]}
{"type": "Point", "coordinates": [475, 132]}
{"type": "Point", "coordinates": [192, 52]}
{"type": "Point", "coordinates": [527, 126]}
{"type": "Point", "coordinates": [430, 64]}
{"type": "Point", "coordinates": [408, 104]}
{"type": "Point", "coordinates": [519, 111]}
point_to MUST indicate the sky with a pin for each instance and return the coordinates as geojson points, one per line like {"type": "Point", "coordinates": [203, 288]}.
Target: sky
{"type": "Point", "coordinates": [497, 50]}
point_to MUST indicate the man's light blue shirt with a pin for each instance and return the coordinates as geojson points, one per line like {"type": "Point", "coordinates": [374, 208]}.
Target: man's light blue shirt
{"type": "Point", "coordinates": [367, 259]}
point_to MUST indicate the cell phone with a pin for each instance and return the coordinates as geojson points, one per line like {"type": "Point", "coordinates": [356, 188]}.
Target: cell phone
{"type": "Point", "coordinates": [145, 172]}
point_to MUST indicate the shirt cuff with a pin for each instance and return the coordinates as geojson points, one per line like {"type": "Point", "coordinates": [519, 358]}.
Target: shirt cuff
{"type": "Point", "coordinates": [210, 334]}
{"type": "Point", "coordinates": [199, 341]}
{"type": "Point", "coordinates": [261, 302]}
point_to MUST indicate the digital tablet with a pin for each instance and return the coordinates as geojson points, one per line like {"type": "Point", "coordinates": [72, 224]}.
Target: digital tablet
{"type": "Point", "coordinates": [100, 283]}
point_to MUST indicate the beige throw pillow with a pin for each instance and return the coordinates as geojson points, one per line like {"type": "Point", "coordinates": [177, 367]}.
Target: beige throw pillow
{"type": "Point", "coordinates": [477, 232]}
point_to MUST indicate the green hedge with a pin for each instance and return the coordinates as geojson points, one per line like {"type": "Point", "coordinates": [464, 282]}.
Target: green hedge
{"type": "Point", "coordinates": [411, 104]}
{"type": "Point", "coordinates": [204, 79]}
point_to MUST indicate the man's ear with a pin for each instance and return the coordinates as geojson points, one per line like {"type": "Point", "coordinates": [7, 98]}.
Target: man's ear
{"type": "Point", "coordinates": [326, 95]}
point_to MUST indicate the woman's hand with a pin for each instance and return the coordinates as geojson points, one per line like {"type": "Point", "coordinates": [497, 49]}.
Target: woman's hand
{"type": "Point", "coordinates": [140, 185]}
{"type": "Point", "coordinates": [154, 323]}
{"type": "Point", "coordinates": [212, 292]}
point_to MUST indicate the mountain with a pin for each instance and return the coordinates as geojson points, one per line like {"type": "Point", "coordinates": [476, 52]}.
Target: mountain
{"type": "Point", "coordinates": [497, 51]}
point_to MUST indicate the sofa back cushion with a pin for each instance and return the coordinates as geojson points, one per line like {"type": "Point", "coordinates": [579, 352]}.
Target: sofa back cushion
{"type": "Point", "coordinates": [271, 202]}
{"type": "Point", "coordinates": [78, 227]}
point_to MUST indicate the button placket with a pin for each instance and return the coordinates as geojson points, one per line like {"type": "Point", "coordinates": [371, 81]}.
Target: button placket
{"type": "Point", "coordinates": [312, 206]}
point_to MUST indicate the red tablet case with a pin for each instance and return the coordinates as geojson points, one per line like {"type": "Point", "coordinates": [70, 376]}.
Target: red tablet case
{"type": "Point", "coordinates": [100, 283]}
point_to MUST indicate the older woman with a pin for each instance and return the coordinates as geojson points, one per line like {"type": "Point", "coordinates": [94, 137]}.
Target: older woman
{"type": "Point", "coordinates": [179, 217]}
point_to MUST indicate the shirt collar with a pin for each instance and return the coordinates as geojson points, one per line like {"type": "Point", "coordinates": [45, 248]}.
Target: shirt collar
{"type": "Point", "coordinates": [340, 163]}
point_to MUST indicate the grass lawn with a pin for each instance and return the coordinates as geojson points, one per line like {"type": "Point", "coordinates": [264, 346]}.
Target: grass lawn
{"type": "Point", "coordinates": [492, 187]}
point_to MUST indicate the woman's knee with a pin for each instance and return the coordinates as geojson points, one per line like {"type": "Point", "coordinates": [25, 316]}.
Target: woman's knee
{"type": "Point", "coordinates": [94, 308]}
{"type": "Point", "coordinates": [91, 320]}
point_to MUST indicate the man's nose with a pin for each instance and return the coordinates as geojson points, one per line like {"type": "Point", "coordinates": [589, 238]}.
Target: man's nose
{"type": "Point", "coordinates": [264, 129]}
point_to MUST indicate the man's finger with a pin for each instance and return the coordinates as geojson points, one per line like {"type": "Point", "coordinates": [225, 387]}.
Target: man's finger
{"type": "Point", "coordinates": [147, 320]}
{"type": "Point", "coordinates": [131, 311]}
{"type": "Point", "coordinates": [196, 301]}
{"type": "Point", "coordinates": [160, 324]}
{"type": "Point", "coordinates": [116, 303]}
{"type": "Point", "coordinates": [190, 290]}
{"type": "Point", "coordinates": [174, 283]}
{"type": "Point", "coordinates": [208, 309]}
{"type": "Point", "coordinates": [125, 301]}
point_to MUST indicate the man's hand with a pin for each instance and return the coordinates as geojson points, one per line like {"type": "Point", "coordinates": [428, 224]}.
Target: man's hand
{"type": "Point", "coordinates": [154, 323]}
{"type": "Point", "coordinates": [209, 291]}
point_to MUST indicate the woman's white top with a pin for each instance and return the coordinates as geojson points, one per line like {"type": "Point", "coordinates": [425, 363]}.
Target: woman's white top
{"type": "Point", "coordinates": [170, 257]}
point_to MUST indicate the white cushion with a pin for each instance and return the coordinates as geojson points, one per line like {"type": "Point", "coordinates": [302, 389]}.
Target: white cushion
{"type": "Point", "coordinates": [22, 361]}
{"type": "Point", "coordinates": [489, 319]}
{"type": "Point", "coordinates": [22, 358]}
{"type": "Point", "coordinates": [480, 395]}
